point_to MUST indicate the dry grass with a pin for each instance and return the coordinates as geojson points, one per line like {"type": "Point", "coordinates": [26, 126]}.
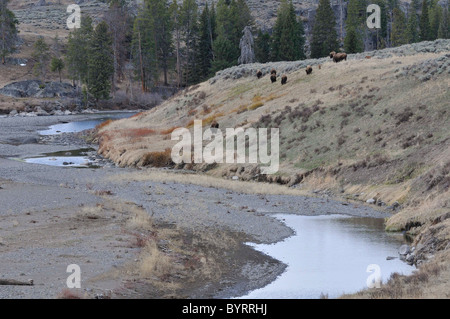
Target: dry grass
{"type": "Point", "coordinates": [155, 263]}
{"type": "Point", "coordinates": [206, 181]}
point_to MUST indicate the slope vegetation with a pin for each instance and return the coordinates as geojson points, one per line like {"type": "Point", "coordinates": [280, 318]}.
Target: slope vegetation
{"type": "Point", "coordinates": [374, 128]}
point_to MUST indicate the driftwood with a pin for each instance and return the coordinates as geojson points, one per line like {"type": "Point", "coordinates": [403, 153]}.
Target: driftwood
{"type": "Point", "coordinates": [12, 282]}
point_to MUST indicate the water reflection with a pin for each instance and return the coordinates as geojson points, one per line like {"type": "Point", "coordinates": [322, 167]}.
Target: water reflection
{"type": "Point", "coordinates": [329, 255]}
{"type": "Point", "coordinates": [79, 126]}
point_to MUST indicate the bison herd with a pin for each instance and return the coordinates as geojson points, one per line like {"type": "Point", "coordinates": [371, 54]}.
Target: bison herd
{"type": "Point", "coordinates": [337, 57]}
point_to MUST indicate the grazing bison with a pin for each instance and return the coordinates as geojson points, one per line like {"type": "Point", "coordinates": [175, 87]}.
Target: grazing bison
{"type": "Point", "coordinates": [283, 79]}
{"type": "Point", "coordinates": [308, 69]}
{"type": "Point", "coordinates": [273, 71]}
{"type": "Point", "coordinates": [273, 78]}
{"type": "Point", "coordinates": [214, 124]}
{"type": "Point", "coordinates": [259, 74]}
{"type": "Point", "coordinates": [332, 53]}
{"type": "Point", "coordinates": [338, 57]}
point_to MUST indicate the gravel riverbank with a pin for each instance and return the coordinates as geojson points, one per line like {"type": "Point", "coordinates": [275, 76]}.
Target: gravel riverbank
{"type": "Point", "coordinates": [45, 224]}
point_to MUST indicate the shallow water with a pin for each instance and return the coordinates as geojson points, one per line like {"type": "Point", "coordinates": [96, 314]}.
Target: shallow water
{"type": "Point", "coordinates": [79, 126]}
{"type": "Point", "coordinates": [69, 161]}
{"type": "Point", "coordinates": [329, 255]}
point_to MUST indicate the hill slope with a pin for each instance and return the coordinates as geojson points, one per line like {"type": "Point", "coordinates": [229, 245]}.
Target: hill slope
{"type": "Point", "coordinates": [373, 129]}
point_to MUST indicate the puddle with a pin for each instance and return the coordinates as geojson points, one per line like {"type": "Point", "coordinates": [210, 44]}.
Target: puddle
{"type": "Point", "coordinates": [330, 255]}
{"type": "Point", "coordinates": [79, 126]}
{"type": "Point", "coordinates": [73, 158]}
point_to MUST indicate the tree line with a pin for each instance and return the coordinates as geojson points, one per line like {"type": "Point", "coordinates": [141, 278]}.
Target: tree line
{"type": "Point", "coordinates": [175, 44]}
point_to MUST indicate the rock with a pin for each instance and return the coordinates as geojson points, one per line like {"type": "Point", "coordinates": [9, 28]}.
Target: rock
{"type": "Point", "coordinates": [36, 88]}
{"type": "Point", "coordinates": [404, 250]}
{"type": "Point", "coordinates": [13, 113]}
{"type": "Point", "coordinates": [235, 178]}
{"type": "Point", "coordinates": [390, 257]}
{"type": "Point", "coordinates": [371, 201]}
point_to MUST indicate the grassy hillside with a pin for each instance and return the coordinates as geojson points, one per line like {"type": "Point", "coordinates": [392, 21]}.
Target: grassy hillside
{"type": "Point", "coordinates": [373, 127]}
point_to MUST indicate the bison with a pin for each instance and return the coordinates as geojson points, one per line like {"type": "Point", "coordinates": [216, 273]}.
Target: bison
{"type": "Point", "coordinates": [332, 53]}
{"type": "Point", "coordinates": [273, 78]}
{"type": "Point", "coordinates": [273, 71]}
{"type": "Point", "coordinates": [338, 57]}
{"type": "Point", "coordinates": [308, 69]}
{"type": "Point", "coordinates": [214, 124]}
{"type": "Point", "coordinates": [283, 79]}
{"type": "Point", "coordinates": [259, 74]}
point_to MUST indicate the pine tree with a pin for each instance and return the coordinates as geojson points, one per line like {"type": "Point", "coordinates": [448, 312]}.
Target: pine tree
{"type": "Point", "coordinates": [232, 16]}
{"type": "Point", "coordinates": [398, 33]}
{"type": "Point", "coordinates": [353, 41]}
{"type": "Point", "coordinates": [324, 35]}
{"type": "Point", "coordinates": [288, 35]}
{"type": "Point", "coordinates": [119, 23]}
{"type": "Point", "coordinates": [435, 19]}
{"type": "Point", "coordinates": [100, 62]}
{"type": "Point", "coordinates": [57, 65]}
{"type": "Point", "coordinates": [41, 57]}
{"type": "Point", "coordinates": [8, 31]}
{"type": "Point", "coordinates": [444, 27]}
{"type": "Point", "coordinates": [424, 25]}
{"type": "Point", "coordinates": [77, 51]}
{"type": "Point", "coordinates": [412, 28]}
{"type": "Point", "coordinates": [262, 47]}
{"type": "Point", "coordinates": [190, 37]}
{"type": "Point", "coordinates": [206, 38]}
{"type": "Point", "coordinates": [152, 42]}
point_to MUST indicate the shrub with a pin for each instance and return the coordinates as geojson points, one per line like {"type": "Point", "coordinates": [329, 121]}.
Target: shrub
{"type": "Point", "coordinates": [158, 159]}
{"type": "Point", "coordinates": [255, 105]}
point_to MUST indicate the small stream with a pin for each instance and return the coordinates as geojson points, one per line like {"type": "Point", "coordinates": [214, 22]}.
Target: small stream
{"type": "Point", "coordinates": [329, 255]}
{"type": "Point", "coordinates": [79, 158]}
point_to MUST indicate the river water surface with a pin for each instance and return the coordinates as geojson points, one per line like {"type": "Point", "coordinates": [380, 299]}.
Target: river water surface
{"type": "Point", "coordinates": [330, 255]}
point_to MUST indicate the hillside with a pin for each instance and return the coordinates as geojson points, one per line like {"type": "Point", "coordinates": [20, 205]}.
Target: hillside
{"type": "Point", "coordinates": [372, 129]}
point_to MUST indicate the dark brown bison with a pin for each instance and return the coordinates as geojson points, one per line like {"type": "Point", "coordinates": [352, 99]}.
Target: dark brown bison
{"type": "Point", "coordinates": [338, 57]}
{"type": "Point", "coordinates": [273, 78]}
{"type": "Point", "coordinates": [308, 69]}
{"type": "Point", "coordinates": [259, 74]}
{"type": "Point", "coordinates": [283, 79]}
{"type": "Point", "coordinates": [332, 53]}
{"type": "Point", "coordinates": [273, 71]}
{"type": "Point", "coordinates": [214, 124]}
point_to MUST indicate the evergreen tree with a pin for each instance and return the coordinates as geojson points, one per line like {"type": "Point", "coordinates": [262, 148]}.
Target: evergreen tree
{"type": "Point", "coordinates": [206, 38]}
{"type": "Point", "coordinates": [190, 37]}
{"type": "Point", "coordinates": [324, 35]}
{"type": "Point", "coordinates": [41, 57]}
{"type": "Point", "coordinates": [288, 35]}
{"type": "Point", "coordinates": [100, 62]}
{"type": "Point", "coordinates": [398, 33]}
{"type": "Point", "coordinates": [435, 19]}
{"type": "Point", "coordinates": [444, 27]}
{"type": "Point", "coordinates": [152, 42]}
{"type": "Point", "coordinates": [57, 65]}
{"type": "Point", "coordinates": [262, 47]}
{"type": "Point", "coordinates": [412, 28]}
{"type": "Point", "coordinates": [424, 24]}
{"type": "Point", "coordinates": [8, 31]}
{"type": "Point", "coordinates": [355, 24]}
{"type": "Point", "coordinates": [232, 16]}
{"type": "Point", "coordinates": [77, 51]}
